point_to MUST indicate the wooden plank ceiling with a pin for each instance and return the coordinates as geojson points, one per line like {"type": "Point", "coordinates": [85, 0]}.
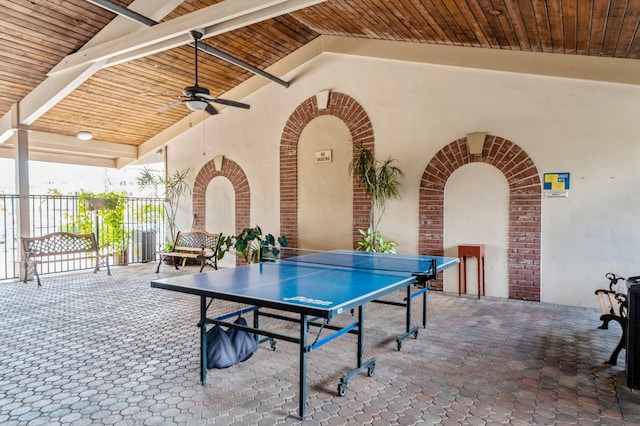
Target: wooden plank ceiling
{"type": "Point", "coordinates": [120, 103]}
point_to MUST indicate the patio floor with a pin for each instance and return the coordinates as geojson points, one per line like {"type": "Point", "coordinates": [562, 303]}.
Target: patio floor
{"type": "Point", "coordinates": [93, 349]}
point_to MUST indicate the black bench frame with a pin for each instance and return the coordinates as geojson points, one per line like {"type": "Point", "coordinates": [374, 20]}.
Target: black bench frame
{"type": "Point", "coordinates": [613, 307]}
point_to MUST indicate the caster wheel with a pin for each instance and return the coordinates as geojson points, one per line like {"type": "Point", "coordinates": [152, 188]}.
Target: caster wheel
{"type": "Point", "coordinates": [342, 389]}
{"type": "Point", "coordinates": [272, 345]}
{"type": "Point", "coordinates": [371, 371]}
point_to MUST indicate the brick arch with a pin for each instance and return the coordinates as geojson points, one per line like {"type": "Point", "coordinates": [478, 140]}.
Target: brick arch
{"type": "Point", "coordinates": [525, 207]}
{"type": "Point", "coordinates": [232, 171]}
{"type": "Point", "coordinates": [357, 121]}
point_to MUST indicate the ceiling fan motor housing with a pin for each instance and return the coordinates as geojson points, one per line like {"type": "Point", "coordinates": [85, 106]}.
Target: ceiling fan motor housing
{"type": "Point", "coordinates": [193, 91]}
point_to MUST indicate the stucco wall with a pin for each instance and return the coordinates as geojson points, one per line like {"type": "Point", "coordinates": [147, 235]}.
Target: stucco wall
{"type": "Point", "coordinates": [585, 128]}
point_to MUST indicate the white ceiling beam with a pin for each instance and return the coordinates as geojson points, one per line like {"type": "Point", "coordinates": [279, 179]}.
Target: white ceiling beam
{"type": "Point", "coordinates": [175, 32]}
{"type": "Point", "coordinates": [8, 124]}
{"type": "Point", "coordinates": [215, 19]}
{"type": "Point", "coordinates": [71, 145]}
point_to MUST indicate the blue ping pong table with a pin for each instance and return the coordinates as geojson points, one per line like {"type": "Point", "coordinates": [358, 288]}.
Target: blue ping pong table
{"type": "Point", "coordinates": [315, 287]}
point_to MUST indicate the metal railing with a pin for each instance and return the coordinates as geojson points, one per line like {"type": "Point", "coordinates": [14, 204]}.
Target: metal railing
{"type": "Point", "coordinates": [144, 228]}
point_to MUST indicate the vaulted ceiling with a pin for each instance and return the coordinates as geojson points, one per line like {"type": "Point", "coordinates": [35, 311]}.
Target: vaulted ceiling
{"type": "Point", "coordinates": [110, 66]}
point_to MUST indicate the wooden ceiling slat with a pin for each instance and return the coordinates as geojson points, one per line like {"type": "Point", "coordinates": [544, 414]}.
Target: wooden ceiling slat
{"type": "Point", "coordinates": [499, 24]}
{"type": "Point", "coordinates": [24, 54]}
{"type": "Point", "coordinates": [290, 29]}
{"type": "Point", "coordinates": [51, 43]}
{"type": "Point", "coordinates": [363, 23]}
{"type": "Point", "coordinates": [120, 103]}
{"type": "Point", "coordinates": [75, 115]}
{"type": "Point", "coordinates": [276, 45]}
{"type": "Point", "coordinates": [466, 23]}
{"type": "Point", "coordinates": [421, 28]}
{"type": "Point", "coordinates": [569, 26]}
{"type": "Point", "coordinates": [477, 18]}
{"type": "Point", "coordinates": [397, 17]}
{"type": "Point", "coordinates": [335, 19]}
{"type": "Point", "coordinates": [617, 11]}
{"type": "Point", "coordinates": [598, 26]}
{"type": "Point", "coordinates": [61, 27]}
{"type": "Point", "coordinates": [554, 14]}
{"type": "Point", "coordinates": [433, 33]}
{"type": "Point", "coordinates": [628, 31]}
{"type": "Point", "coordinates": [634, 46]}
{"type": "Point", "coordinates": [518, 25]}
{"type": "Point", "coordinates": [528, 15]}
{"type": "Point", "coordinates": [443, 20]}
{"type": "Point", "coordinates": [584, 12]}
{"type": "Point", "coordinates": [541, 17]}
{"type": "Point", "coordinates": [331, 18]}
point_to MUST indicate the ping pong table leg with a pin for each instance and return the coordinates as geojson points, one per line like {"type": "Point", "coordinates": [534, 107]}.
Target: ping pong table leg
{"type": "Point", "coordinates": [413, 331]}
{"type": "Point", "coordinates": [369, 365]}
{"type": "Point", "coordinates": [424, 309]}
{"type": "Point", "coordinates": [303, 366]}
{"type": "Point", "coordinates": [408, 319]}
{"type": "Point", "coordinates": [203, 340]}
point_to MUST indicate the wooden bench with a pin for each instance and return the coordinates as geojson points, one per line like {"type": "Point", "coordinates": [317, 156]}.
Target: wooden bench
{"type": "Point", "coordinates": [193, 245]}
{"type": "Point", "coordinates": [613, 307]}
{"type": "Point", "coordinates": [61, 247]}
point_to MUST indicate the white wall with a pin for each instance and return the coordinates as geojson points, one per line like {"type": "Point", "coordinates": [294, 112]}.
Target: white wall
{"type": "Point", "coordinates": [586, 128]}
{"type": "Point", "coordinates": [325, 213]}
{"type": "Point", "coordinates": [477, 212]}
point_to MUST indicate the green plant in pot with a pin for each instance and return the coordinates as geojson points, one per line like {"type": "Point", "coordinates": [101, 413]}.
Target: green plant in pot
{"type": "Point", "coordinates": [109, 209]}
{"type": "Point", "coordinates": [114, 233]}
{"type": "Point", "coordinates": [380, 180]}
{"type": "Point", "coordinates": [251, 246]}
{"type": "Point", "coordinates": [373, 241]}
{"type": "Point", "coordinates": [171, 187]}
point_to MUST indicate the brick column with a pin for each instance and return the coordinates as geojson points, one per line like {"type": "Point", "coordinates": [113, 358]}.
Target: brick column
{"type": "Point", "coordinates": [525, 208]}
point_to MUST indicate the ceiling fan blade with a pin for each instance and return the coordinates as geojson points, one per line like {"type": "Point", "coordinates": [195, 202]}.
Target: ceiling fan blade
{"type": "Point", "coordinates": [210, 109]}
{"type": "Point", "coordinates": [223, 101]}
{"type": "Point", "coordinates": [168, 107]}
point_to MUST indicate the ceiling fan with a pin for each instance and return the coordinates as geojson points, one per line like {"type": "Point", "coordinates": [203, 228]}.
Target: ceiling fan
{"type": "Point", "coordinates": [198, 98]}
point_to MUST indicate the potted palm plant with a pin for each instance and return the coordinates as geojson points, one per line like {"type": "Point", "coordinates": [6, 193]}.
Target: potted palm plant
{"type": "Point", "coordinates": [170, 187]}
{"type": "Point", "coordinates": [380, 180]}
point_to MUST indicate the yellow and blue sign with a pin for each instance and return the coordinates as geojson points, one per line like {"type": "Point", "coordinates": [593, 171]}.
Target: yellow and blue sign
{"type": "Point", "coordinates": [556, 181]}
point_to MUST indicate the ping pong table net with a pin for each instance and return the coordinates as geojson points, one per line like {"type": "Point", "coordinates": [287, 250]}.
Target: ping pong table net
{"type": "Point", "coordinates": [346, 259]}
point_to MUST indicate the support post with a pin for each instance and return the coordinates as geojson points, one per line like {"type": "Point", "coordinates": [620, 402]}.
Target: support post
{"type": "Point", "coordinates": [23, 216]}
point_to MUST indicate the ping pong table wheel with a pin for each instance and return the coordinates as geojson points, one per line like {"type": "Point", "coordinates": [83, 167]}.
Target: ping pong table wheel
{"type": "Point", "coordinates": [272, 345]}
{"type": "Point", "coordinates": [342, 389]}
{"type": "Point", "coordinates": [399, 345]}
{"type": "Point", "coordinates": [371, 370]}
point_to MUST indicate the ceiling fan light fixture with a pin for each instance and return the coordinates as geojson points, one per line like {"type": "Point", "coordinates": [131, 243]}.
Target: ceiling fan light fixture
{"type": "Point", "coordinates": [195, 105]}
{"type": "Point", "coordinates": [84, 136]}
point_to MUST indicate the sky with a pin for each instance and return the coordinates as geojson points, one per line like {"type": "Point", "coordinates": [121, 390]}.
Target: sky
{"type": "Point", "coordinates": [70, 179]}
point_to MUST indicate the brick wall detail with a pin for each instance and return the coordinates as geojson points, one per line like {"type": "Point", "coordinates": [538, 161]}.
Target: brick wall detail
{"type": "Point", "coordinates": [525, 207]}
{"type": "Point", "coordinates": [353, 115]}
{"type": "Point", "coordinates": [232, 171]}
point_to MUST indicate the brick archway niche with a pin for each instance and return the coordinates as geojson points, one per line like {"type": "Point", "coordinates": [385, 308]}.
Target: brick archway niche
{"type": "Point", "coordinates": [232, 171]}
{"type": "Point", "coordinates": [357, 121]}
{"type": "Point", "coordinates": [525, 208]}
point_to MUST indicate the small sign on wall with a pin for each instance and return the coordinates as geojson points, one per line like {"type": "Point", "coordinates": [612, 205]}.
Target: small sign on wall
{"type": "Point", "coordinates": [556, 184]}
{"type": "Point", "coordinates": [324, 156]}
